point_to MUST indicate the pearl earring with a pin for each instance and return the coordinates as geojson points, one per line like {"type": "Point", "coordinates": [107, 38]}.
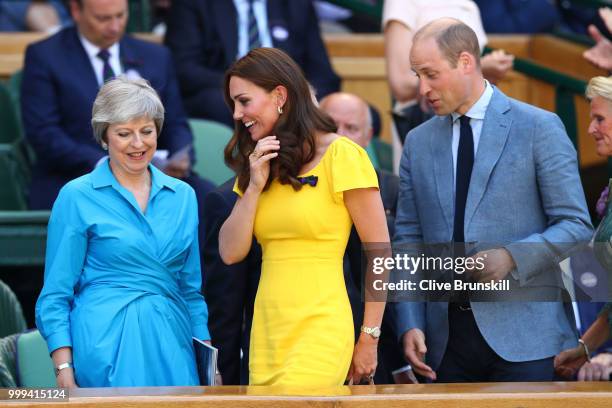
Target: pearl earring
{"type": "Point", "coordinates": [280, 110]}
{"type": "Point", "coordinates": [104, 146]}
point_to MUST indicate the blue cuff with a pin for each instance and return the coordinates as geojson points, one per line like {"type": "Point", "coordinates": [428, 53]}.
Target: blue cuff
{"type": "Point", "coordinates": [58, 340]}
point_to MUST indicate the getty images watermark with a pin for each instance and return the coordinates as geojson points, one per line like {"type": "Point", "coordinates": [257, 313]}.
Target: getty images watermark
{"type": "Point", "coordinates": [487, 272]}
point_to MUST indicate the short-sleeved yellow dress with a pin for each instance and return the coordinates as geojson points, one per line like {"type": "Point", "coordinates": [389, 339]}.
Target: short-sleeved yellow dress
{"type": "Point", "coordinates": [302, 330]}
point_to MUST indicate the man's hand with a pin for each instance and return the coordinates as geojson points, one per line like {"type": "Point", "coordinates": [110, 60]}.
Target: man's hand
{"type": "Point", "coordinates": [414, 352]}
{"type": "Point", "coordinates": [496, 65]}
{"type": "Point", "coordinates": [497, 265]}
{"type": "Point", "coordinates": [598, 369]}
{"type": "Point", "coordinates": [178, 168]}
{"type": "Point", "coordinates": [600, 54]}
{"type": "Point", "coordinates": [568, 362]}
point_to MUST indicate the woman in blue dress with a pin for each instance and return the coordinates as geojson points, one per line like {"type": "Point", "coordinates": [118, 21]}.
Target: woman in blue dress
{"type": "Point", "coordinates": [121, 297]}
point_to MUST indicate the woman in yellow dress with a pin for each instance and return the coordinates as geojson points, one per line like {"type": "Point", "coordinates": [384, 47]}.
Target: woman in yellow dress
{"type": "Point", "coordinates": [301, 187]}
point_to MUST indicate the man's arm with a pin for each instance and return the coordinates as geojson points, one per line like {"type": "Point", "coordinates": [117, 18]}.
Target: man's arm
{"type": "Point", "coordinates": [42, 119]}
{"type": "Point", "coordinates": [185, 38]}
{"type": "Point", "coordinates": [562, 200]}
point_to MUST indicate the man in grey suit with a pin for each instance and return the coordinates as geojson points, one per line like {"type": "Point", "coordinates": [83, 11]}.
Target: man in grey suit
{"type": "Point", "coordinates": [487, 169]}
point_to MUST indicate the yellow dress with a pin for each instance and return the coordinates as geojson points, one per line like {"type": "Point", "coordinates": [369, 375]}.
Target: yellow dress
{"type": "Point", "coordinates": [302, 332]}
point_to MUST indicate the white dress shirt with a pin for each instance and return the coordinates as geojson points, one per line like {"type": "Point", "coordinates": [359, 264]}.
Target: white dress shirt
{"type": "Point", "coordinates": [477, 115]}
{"type": "Point", "coordinates": [261, 15]}
{"type": "Point", "coordinates": [97, 63]}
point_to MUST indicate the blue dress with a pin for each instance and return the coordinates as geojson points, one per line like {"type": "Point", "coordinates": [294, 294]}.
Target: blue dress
{"type": "Point", "coordinates": [122, 288]}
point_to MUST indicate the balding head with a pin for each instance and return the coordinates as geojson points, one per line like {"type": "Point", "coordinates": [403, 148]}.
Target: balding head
{"type": "Point", "coordinates": [352, 116]}
{"type": "Point", "coordinates": [452, 37]}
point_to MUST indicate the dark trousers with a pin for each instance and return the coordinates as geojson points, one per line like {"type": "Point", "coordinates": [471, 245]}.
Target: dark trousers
{"type": "Point", "coordinates": [468, 357]}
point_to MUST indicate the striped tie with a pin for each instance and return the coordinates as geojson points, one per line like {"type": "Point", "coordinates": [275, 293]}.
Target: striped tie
{"type": "Point", "coordinates": [107, 70]}
{"type": "Point", "coordinates": [254, 41]}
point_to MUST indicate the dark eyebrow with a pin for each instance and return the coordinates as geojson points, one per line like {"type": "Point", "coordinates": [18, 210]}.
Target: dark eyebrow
{"type": "Point", "coordinates": [237, 96]}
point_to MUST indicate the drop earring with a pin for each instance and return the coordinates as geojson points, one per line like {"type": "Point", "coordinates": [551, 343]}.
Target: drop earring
{"type": "Point", "coordinates": [279, 109]}
{"type": "Point", "coordinates": [104, 146]}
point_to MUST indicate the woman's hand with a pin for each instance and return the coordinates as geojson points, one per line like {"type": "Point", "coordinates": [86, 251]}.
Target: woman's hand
{"type": "Point", "coordinates": [365, 360]}
{"type": "Point", "coordinates": [265, 150]}
{"type": "Point", "coordinates": [65, 378]}
{"type": "Point", "coordinates": [568, 362]}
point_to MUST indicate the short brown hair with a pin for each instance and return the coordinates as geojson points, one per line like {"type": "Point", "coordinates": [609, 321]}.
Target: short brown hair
{"type": "Point", "coordinates": [268, 68]}
{"type": "Point", "coordinates": [452, 39]}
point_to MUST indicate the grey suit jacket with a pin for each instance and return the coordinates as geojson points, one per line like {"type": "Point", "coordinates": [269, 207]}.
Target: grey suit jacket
{"type": "Point", "coordinates": [525, 194]}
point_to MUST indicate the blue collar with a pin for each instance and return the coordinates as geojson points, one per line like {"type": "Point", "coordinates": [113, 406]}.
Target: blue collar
{"type": "Point", "coordinates": [102, 176]}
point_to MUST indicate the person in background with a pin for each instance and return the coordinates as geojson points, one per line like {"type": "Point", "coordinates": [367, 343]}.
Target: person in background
{"type": "Point", "coordinates": [577, 362]}
{"type": "Point", "coordinates": [121, 297]}
{"type": "Point", "coordinates": [32, 15]}
{"type": "Point", "coordinates": [61, 77]}
{"type": "Point", "coordinates": [207, 36]}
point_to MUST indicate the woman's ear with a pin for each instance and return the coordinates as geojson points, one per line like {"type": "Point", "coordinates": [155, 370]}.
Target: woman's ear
{"type": "Point", "coordinates": [281, 95]}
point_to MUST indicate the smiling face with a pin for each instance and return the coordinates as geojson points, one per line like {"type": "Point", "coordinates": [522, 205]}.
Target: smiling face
{"type": "Point", "coordinates": [255, 107]}
{"type": "Point", "coordinates": [131, 146]}
{"type": "Point", "coordinates": [447, 89]}
{"type": "Point", "coordinates": [601, 125]}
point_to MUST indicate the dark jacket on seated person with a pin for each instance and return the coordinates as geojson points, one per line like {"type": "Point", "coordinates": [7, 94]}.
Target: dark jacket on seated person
{"type": "Point", "coordinates": [57, 94]}
{"type": "Point", "coordinates": [203, 37]}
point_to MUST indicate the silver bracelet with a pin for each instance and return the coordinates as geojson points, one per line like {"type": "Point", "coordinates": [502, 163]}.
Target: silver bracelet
{"type": "Point", "coordinates": [586, 350]}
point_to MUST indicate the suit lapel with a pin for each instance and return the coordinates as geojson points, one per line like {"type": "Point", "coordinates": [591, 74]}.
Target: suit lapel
{"type": "Point", "coordinates": [79, 62]}
{"type": "Point", "coordinates": [493, 137]}
{"type": "Point", "coordinates": [226, 16]}
{"type": "Point", "coordinates": [441, 149]}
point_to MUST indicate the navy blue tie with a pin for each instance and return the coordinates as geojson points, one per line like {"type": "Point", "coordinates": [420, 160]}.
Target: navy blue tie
{"type": "Point", "coordinates": [253, 30]}
{"type": "Point", "coordinates": [107, 70]}
{"type": "Point", "coordinates": [465, 162]}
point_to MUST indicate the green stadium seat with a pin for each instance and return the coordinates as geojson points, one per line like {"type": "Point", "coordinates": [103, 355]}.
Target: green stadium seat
{"type": "Point", "coordinates": [14, 176]}
{"type": "Point", "coordinates": [12, 320]}
{"type": "Point", "coordinates": [10, 124]}
{"type": "Point", "coordinates": [209, 140]}
{"type": "Point", "coordinates": [14, 88]}
{"type": "Point", "coordinates": [383, 152]}
{"type": "Point", "coordinates": [34, 365]}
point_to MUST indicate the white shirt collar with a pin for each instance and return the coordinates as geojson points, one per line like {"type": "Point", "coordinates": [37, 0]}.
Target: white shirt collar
{"type": "Point", "coordinates": [92, 50]}
{"type": "Point", "coordinates": [478, 110]}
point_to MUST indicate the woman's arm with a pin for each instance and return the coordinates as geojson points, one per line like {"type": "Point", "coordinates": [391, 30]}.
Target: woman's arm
{"type": "Point", "coordinates": [65, 377]}
{"type": "Point", "coordinates": [368, 214]}
{"type": "Point", "coordinates": [236, 234]}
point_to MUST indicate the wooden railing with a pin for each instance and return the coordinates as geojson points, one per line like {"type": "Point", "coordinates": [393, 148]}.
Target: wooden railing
{"type": "Point", "coordinates": [498, 395]}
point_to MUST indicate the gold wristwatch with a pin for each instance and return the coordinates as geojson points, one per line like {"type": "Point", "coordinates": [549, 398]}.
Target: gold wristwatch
{"type": "Point", "coordinates": [372, 331]}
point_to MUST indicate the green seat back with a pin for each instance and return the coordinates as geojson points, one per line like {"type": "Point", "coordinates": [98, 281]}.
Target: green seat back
{"type": "Point", "coordinates": [372, 155]}
{"type": "Point", "coordinates": [10, 124]}
{"type": "Point", "coordinates": [209, 140]}
{"type": "Point", "coordinates": [34, 365]}
{"type": "Point", "coordinates": [14, 88]}
{"type": "Point", "coordinates": [12, 319]}
{"type": "Point", "coordinates": [14, 177]}
{"type": "Point", "coordinates": [384, 154]}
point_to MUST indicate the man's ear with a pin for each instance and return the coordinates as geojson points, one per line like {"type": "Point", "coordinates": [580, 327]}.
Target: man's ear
{"type": "Point", "coordinates": [466, 62]}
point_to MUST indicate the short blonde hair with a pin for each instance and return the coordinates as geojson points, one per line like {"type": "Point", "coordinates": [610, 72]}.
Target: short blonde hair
{"type": "Point", "coordinates": [600, 86]}
{"type": "Point", "coordinates": [122, 100]}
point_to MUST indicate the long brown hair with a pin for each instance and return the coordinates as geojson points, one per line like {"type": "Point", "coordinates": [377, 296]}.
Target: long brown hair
{"type": "Point", "coordinates": [295, 128]}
